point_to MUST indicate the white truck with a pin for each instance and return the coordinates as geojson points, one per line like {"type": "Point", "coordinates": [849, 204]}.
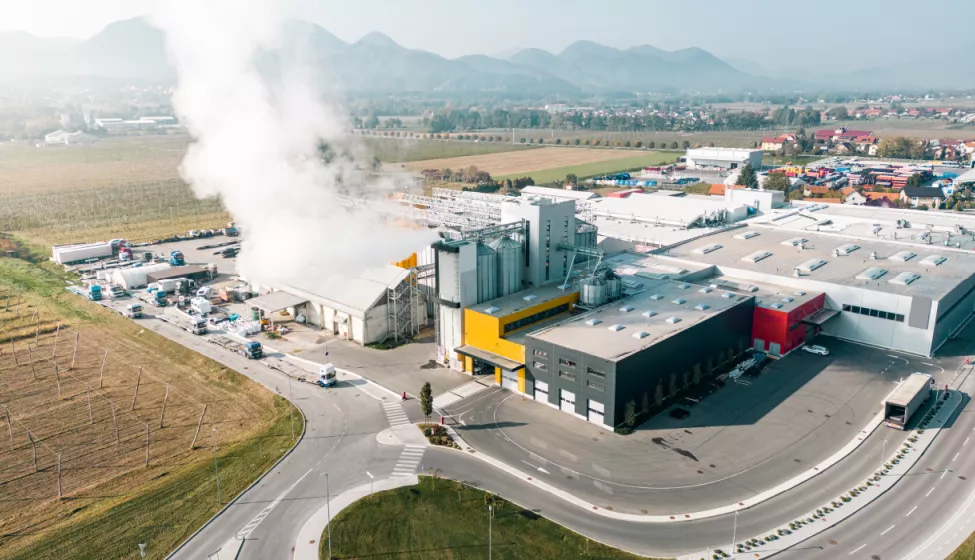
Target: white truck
{"type": "Point", "coordinates": [190, 323]}
{"type": "Point", "coordinates": [133, 311]}
{"type": "Point", "coordinates": [201, 306]}
{"type": "Point", "coordinates": [906, 399]}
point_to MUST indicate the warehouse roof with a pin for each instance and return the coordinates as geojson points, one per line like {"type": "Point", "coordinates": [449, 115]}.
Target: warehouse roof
{"type": "Point", "coordinates": [558, 193]}
{"type": "Point", "coordinates": [524, 299]}
{"type": "Point", "coordinates": [623, 327]}
{"type": "Point", "coordinates": [353, 295]}
{"type": "Point", "coordinates": [831, 258]}
{"type": "Point", "coordinates": [276, 301]}
{"type": "Point", "coordinates": [649, 208]}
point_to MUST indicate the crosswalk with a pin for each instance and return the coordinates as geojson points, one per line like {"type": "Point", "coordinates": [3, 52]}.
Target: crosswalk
{"type": "Point", "coordinates": [458, 393]}
{"type": "Point", "coordinates": [409, 460]}
{"type": "Point", "coordinates": [395, 414]}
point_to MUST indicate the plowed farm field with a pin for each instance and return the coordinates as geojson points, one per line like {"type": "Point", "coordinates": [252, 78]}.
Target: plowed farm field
{"type": "Point", "coordinates": [525, 162]}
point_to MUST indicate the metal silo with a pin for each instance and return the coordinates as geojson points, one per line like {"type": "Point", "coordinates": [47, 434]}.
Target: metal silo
{"type": "Point", "coordinates": [510, 266]}
{"type": "Point", "coordinates": [585, 235]}
{"type": "Point", "coordinates": [487, 273]}
{"type": "Point", "coordinates": [614, 287]}
{"type": "Point", "coordinates": [593, 293]}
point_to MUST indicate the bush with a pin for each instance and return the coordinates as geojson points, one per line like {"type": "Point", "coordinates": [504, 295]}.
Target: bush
{"type": "Point", "coordinates": [623, 430]}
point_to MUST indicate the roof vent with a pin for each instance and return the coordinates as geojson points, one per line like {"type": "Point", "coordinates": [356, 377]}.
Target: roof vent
{"type": "Point", "coordinates": [673, 320]}
{"type": "Point", "coordinates": [727, 295]}
{"type": "Point", "coordinates": [776, 306]}
{"type": "Point", "coordinates": [656, 297]}
{"type": "Point", "coordinates": [747, 235]}
{"type": "Point", "coordinates": [649, 313]}
{"type": "Point", "coordinates": [709, 248]}
{"type": "Point", "coordinates": [492, 310]}
{"type": "Point", "coordinates": [626, 308]}
{"type": "Point", "coordinates": [679, 301]}
{"type": "Point", "coordinates": [530, 297]}
{"type": "Point", "coordinates": [846, 249]}
{"type": "Point", "coordinates": [706, 289]}
{"type": "Point", "coordinates": [795, 242]}
{"type": "Point", "coordinates": [616, 328]}
{"type": "Point", "coordinates": [641, 334]}
{"type": "Point", "coordinates": [872, 273]}
{"type": "Point", "coordinates": [593, 322]}
{"type": "Point", "coordinates": [788, 299]}
{"type": "Point", "coordinates": [756, 256]}
{"type": "Point", "coordinates": [933, 260]}
{"type": "Point", "coordinates": [902, 256]}
{"type": "Point", "coordinates": [800, 294]}
{"type": "Point", "coordinates": [702, 307]}
{"type": "Point", "coordinates": [905, 278]}
{"type": "Point", "coordinates": [684, 286]}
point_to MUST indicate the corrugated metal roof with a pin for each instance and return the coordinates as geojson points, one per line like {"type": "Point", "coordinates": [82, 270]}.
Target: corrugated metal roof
{"type": "Point", "coordinates": [352, 295]}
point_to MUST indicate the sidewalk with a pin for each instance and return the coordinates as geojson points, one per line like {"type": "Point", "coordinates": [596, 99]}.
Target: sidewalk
{"type": "Point", "coordinates": [307, 545]}
{"type": "Point", "coordinates": [847, 504]}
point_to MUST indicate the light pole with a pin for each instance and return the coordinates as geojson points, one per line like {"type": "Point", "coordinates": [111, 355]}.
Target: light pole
{"type": "Point", "coordinates": [369, 474]}
{"type": "Point", "coordinates": [291, 401]}
{"type": "Point", "coordinates": [490, 517]}
{"type": "Point", "coordinates": [216, 468]}
{"type": "Point", "coordinates": [883, 454]}
{"type": "Point", "coordinates": [328, 512]}
{"type": "Point", "coordinates": [734, 535]}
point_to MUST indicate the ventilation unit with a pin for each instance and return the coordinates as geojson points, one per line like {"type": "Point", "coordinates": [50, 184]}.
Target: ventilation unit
{"type": "Point", "coordinates": [656, 297]}
{"type": "Point", "coordinates": [747, 235]}
{"type": "Point", "coordinates": [615, 328]}
{"type": "Point", "coordinates": [709, 248]}
{"type": "Point", "coordinates": [933, 260]}
{"type": "Point", "coordinates": [902, 256]}
{"type": "Point", "coordinates": [702, 307]}
{"type": "Point", "coordinates": [788, 299]}
{"type": "Point", "coordinates": [680, 301]}
{"type": "Point", "coordinates": [872, 273]}
{"type": "Point", "coordinates": [795, 242]}
{"type": "Point", "coordinates": [706, 289]}
{"type": "Point", "coordinates": [673, 320]}
{"type": "Point", "coordinates": [649, 313]}
{"type": "Point", "coordinates": [626, 308]}
{"type": "Point", "coordinates": [641, 334]}
{"type": "Point", "coordinates": [593, 322]}
{"type": "Point", "coordinates": [492, 310]}
{"type": "Point", "coordinates": [776, 306]}
{"type": "Point", "coordinates": [844, 250]}
{"type": "Point", "coordinates": [811, 265]}
{"type": "Point", "coordinates": [684, 286]}
{"type": "Point", "coordinates": [727, 295]}
{"type": "Point", "coordinates": [530, 297]}
{"type": "Point", "coordinates": [756, 256]}
{"type": "Point", "coordinates": [800, 294]}
{"type": "Point", "coordinates": [905, 278]}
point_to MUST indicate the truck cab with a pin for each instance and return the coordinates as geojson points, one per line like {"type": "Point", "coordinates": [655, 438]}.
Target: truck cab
{"type": "Point", "coordinates": [95, 292]}
{"type": "Point", "coordinates": [176, 258]}
{"type": "Point", "coordinates": [159, 298]}
{"type": "Point", "coordinates": [253, 349]}
{"type": "Point", "coordinates": [133, 311]}
{"type": "Point", "coordinates": [197, 325]}
{"type": "Point", "coordinates": [116, 292]}
{"type": "Point", "coordinates": [327, 376]}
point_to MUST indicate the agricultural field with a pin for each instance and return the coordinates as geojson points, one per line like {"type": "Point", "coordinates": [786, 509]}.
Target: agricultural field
{"type": "Point", "coordinates": [112, 428]}
{"type": "Point", "coordinates": [633, 162]}
{"type": "Point", "coordinates": [401, 150]}
{"type": "Point", "coordinates": [522, 163]}
{"type": "Point", "coordinates": [447, 520]}
{"type": "Point", "coordinates": [729, 139]}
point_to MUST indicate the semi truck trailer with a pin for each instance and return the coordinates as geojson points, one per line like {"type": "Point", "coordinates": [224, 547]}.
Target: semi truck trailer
{"type": "Point", "coordinates": [251, 349]}
{"type": "Point", "coordinates": [906, 399]}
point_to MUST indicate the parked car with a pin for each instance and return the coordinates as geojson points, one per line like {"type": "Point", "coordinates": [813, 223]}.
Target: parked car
{"type": "Point", "coordinates": [679, 413]}
{"type": "Point", "coordinates": [230, 252]}
{"type": "Point", "coordinates": [814, 349]}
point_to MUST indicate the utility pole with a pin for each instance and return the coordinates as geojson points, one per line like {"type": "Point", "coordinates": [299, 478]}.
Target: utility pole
{"type": "Point", "coordinates": [490, 518]}
{"type": "Point", "coordinates": [734, 535]}
{"type": "Point", "coordinates": [883, 455]}
{"type": "Point", "coordinates": [328, 512]}
{"type": "Point", "coordinates": [291, 402]}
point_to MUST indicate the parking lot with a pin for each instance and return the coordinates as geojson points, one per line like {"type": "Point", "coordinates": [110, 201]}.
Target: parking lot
{"type": "Point", "coordinates": [742, 439]}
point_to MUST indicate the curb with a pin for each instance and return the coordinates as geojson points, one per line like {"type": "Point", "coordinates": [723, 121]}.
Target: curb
{"type": "Point", "coordinates": [304, 428]}
{"type": "Point", "coordinates": [345, 371]}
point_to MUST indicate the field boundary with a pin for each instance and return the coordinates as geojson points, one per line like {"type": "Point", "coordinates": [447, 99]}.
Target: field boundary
{"type": "Point", "coordinates": [304, 428]}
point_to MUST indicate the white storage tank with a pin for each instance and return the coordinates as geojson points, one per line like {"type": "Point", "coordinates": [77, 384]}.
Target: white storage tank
{"type": "Point", "coordinates": [510, 265]}
{"type": "Point", "coordinates": [487, 273]}
{"type": "Point", "coordinates": [593, 293]}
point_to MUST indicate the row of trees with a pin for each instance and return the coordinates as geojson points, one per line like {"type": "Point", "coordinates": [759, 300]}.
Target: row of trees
{"type": "Point", "coordinates": [469, 174]}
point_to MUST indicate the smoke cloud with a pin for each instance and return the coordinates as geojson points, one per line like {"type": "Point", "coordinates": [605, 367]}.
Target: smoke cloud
{"type": "Point", "coordinates": [255, 145]}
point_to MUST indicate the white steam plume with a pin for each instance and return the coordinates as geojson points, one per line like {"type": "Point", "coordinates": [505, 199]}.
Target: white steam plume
{"type": "Point", "coordinates": [254, 145]}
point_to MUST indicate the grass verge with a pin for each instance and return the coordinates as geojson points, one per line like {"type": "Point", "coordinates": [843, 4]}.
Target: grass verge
{"type": "Point", "coordinates": [446, 520]}
{"type": "Point", "coordinates": [965, 550]}
{"type": "Point", "coordinates": [597, 168]}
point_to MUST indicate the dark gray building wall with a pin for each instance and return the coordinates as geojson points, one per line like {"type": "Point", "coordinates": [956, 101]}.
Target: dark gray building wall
{"type": "Point", "coordinates": [952, 312]}
{"type": "Point", "coordinates": [630, 377]}
{"type": "Point", "coordinates": [641, 372]}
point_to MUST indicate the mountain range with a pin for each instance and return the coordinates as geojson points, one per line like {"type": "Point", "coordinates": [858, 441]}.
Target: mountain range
{"type": "Point", "coordinates": [134, 50]}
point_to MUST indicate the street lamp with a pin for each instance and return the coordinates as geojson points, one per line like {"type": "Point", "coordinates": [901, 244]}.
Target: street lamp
{"type": "Point", "coordinates": [734, 536]}
{"type": "Point", "coordinates": [328, 512]}
{"type": "Point", "coordinates": [216, 469]}
{"type": "Point", "coordinates": [369, 474]}
{"type": "Point", "coordinates": [490, 517]}
{"type": "Point", "coordinates": [883, 454]}
{"type": "Point", "coordinates": [291, 402]}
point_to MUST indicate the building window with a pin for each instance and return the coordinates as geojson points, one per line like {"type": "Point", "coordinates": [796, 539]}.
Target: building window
{"type": "Point", "coordinates": [564, 362]}
{"type": "Point", "coordinates": [595, 385]}
{"type": "Point", "coordinates": [540, 353]}
{"type": "Point", "coordinates": [874, 313]}
{"type": "Point", "coordinates": [567, 376]}
{"type": "Point", "coordinates": [540, 316]}
{"type": "Point", "coordinates": [596, 373]}
{"type": "Point", "coordinates": [540, 366]}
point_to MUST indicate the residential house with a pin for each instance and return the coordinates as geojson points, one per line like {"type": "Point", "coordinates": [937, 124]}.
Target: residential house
{"type": "Point", "coordinates": [889, 196]}
{"type": "Point", "coordinates": [776, 143]}
{"type": "Point", "coordinates": [716, 190]}
{"type": "Point", "coordinates": [932, 197]}
{"type": "Point", "coordinates": [68, 138]}
{"type": "Point", "coordinates": [881, 203]}
{"type": "Point", "coordinates": [867, 145]}
{"type": "Point", "coordinates": [816, 190]}
{"type": "Point", "coordinates": [852, 196]}
{"type": "Point", "coordinates": [840, 135]}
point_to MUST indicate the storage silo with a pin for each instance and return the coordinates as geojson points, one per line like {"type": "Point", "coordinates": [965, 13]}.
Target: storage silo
{"type": "Point", "coordinates": [585, 235]}
{"type": "Point", "coordinates": [487, 273]}
{"type": "Point", "coordinates": [510, 258]}
{"type": "Point", "coordinates": [614, 287]}
{"type": "Point", "coordinates": [593, 293]}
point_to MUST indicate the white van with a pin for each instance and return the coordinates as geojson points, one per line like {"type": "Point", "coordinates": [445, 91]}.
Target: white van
{"type": "Point", "coordinates": [327, 376]}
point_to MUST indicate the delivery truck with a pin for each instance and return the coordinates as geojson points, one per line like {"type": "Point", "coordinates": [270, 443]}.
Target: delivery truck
{"type": "Point", "coordinates": [901, 405]}
{"type": "Point", "coordinates": [251, 349]}
{"type": "Point", "coordinates": [190, 323]}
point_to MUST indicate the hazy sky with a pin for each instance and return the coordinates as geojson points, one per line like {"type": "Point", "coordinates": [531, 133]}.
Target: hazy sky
{"type": "Point", "coordinates": [772, 32]}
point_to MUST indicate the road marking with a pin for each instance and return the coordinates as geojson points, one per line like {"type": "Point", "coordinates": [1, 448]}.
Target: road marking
{"type": "Point", "coordinates": [955, 457]}
{"type": "Point", "coordinates": [249, 528]}
{"type": "Point", "coordinates": [929, 492]}
{"type": "Point", "coordinates": [966, 441]}
{"type": "Point", "coordinates": [943, 474]}
{"type": "Point", "coordinates": [857, 549]}
{"type": "Point", "coordinates": [910, 512]}
{"type": "Point", "coordinates": [888, 530]}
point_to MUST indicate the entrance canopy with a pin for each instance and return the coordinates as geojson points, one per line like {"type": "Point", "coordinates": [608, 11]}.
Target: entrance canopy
{"type": "Point", "coordinates": [820, 317]}
{"type": "Point", "coordinates": [489, 357]}
{"type": "Point", "coordinates": [276, 301]}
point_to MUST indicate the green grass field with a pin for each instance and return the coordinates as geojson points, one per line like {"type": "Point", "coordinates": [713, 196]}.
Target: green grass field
{"type": "Point", "coordinates": [445, 520]}
{"type": "Point", "coordinates": [401, 150]}
{"type": "Point", "coordinates": [597, 168]}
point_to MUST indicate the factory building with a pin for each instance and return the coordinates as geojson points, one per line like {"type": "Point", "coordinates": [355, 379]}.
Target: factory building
{"type": "Point", "coordinates": [723, 158]}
